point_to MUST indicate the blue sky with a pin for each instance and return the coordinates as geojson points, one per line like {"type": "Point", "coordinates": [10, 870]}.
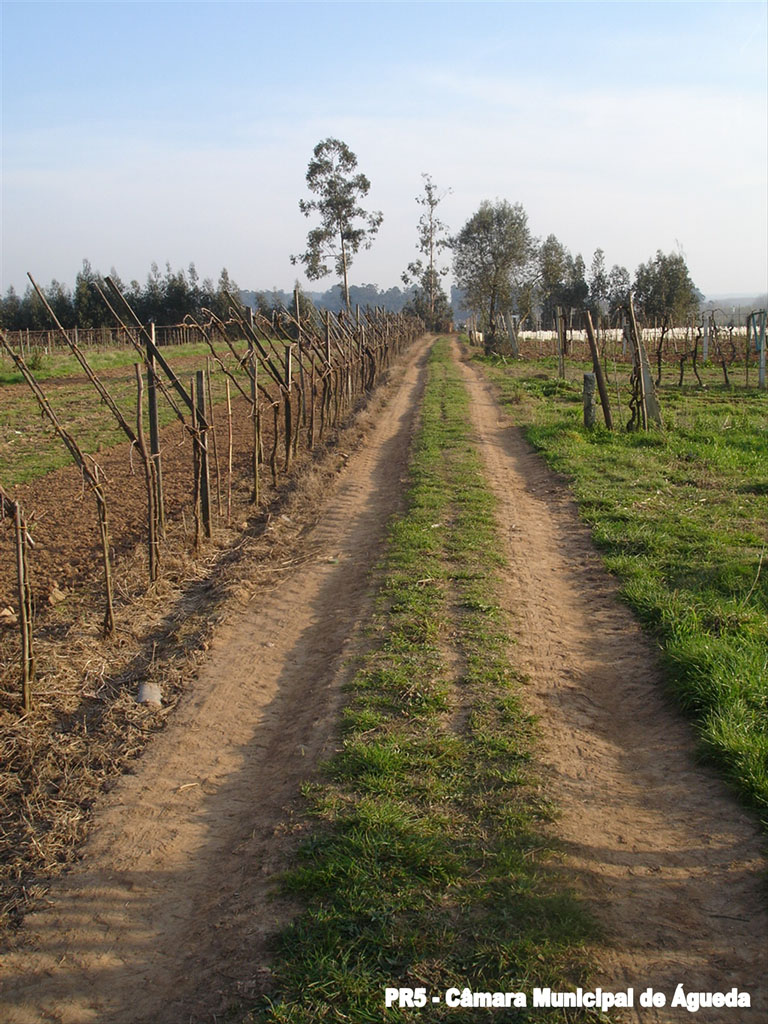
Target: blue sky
{"type": "Point", "coordinates": [181, 132]}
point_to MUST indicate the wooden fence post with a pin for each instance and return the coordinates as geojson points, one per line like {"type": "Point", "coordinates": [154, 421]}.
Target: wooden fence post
{"type": "Point", "coordinates": [149, 474]}
{"type": "Point", "coordinates": [253, 366]}
{"type": "Point", "coordinates": [24, 591]}
{"type": "Point", "coordinates": [598, 371]}
{"type": "Point", "coordinates": [288, 406]}
{"type": "Point", "coordinates": [154, 434]}
{"type": "Point", "coordinates": [209, 392]}
{"type": "Point", "coordinates": [560, 343]}
{"type": "Point", "coordinates": [650, 408]}
{"type": "Point", "coordinates": [590, 404]}
{"type": "Point", "coordinates": [202, 438]}
{"type": "Point", "coordinates": [229, 452]}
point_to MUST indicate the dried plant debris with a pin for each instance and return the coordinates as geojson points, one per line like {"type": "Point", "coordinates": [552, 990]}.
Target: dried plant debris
{"type": "Point", "coordinates": [86, 724]}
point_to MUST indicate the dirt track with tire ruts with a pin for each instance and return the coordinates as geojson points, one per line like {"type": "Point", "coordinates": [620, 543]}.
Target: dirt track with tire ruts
{"type": "Point", "coordinates": [167, 913]}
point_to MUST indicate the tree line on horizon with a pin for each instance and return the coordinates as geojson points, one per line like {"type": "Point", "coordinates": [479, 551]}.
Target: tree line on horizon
{"type": "Point", "coordinates": [556, 278]}
{"type": "Point", "coordinates": [499, 266]}
{"type": "Point", "coordinates": [167, 298]}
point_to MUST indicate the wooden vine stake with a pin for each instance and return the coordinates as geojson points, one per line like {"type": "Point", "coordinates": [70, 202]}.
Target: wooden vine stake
{"type": "Point", "coordinates": [150, 469]}
{"type": "Point", "coordinates": [229, 452]}
{"type": "Point", "coordinates": [301, 361]}
{"type": "Point", "coordinates": [204, 439]}
{"type": "Point", "coordinates": [253, 373]}
{"type": "Point", "coordinates": [154, 436]}
{"type": "Point", "coordinates": [275, 436]}
{"type": "Point", "coordinates": [25, 608]}
{"type": "Point", "coordinates": [213, 434]}
{"type": "Point", "coordinates": [9, 507]}
{"type": "Point", "coordinates": [196, 467]}
{"type": "Point", "coordinates": [200, 437]}
{"type": "Point", "coordinates": [559, 328]}
{"type": "Point", "coordinates": [288, 407]}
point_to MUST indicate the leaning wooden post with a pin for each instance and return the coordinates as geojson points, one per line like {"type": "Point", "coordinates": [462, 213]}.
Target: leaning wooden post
{"type": "Point", "coordinates": [650, 403]}
{"type": "Point", "coordinates": [601, 385]}
{"type": "Point", "coordinates": [512, 334]}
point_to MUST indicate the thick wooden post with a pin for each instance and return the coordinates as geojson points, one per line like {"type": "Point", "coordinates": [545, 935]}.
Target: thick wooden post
{"type": "Point", "coordinates": [512, 334]}
{"type": "Point", "coordinates": [760, 335]}
{"type": "Point", "coordinates": [209, 393]}
{"type": "Point", "coordinates": [202, 442]}
{"type": "Point", "coordinates": [154, 434]}
{"type": "Point", "coordinates": [149, 473]}
{"type": "Point", "coordinates": [598, 371]}
{"type": "Point", "coordinates": [590, 404]}
{"type": "Point", "coordinates": [650, 404]}
{"type": "Point", "coordinates": [560, 343]}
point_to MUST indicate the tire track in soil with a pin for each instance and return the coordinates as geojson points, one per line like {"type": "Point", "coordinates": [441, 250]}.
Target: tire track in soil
{"type": "Point", "coordinates": [656, 843]}
{"type": "Point", "coordinates": [166, 917]}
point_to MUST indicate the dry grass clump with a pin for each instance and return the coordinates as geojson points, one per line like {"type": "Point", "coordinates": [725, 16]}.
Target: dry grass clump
{"type": "Point", "coordinates": [85, 725]}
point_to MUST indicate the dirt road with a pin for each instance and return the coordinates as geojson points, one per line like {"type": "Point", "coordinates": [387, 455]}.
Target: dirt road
{"type": "Point", "coordinates": [165, 916]}
{"type": "Point", "coordinates": [657, 844]}
{"type": "Point", "coordinates": [167, 912]}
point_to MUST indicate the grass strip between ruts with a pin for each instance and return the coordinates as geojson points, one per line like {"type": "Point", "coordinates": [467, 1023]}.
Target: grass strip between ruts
{"type": "Point", "coordinates": [679, 514]}
{"type": "Point", "coordinates": [427, 865]}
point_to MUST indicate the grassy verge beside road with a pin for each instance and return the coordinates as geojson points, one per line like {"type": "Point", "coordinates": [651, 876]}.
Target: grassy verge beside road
{"type": "Point", "coordinates": [680, 515]}
{"type": "Point", "coordinates": [427, 866]}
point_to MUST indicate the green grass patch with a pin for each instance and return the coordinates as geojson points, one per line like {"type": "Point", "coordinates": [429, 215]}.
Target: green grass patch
{"type": "Point", "coordinates": [61, 362]}
{"type": "Point", "coordinates": [680, 516]}
{"type": "Point", "coordinates": [427, 865]}
{"type": "Point", "coordinates": [29, 446]}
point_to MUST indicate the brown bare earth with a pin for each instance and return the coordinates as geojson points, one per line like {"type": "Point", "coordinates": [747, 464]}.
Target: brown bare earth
{"type": "Point", "coordinates": [68, 550]}
{"type": "Point", "coordinates": [656, 843]}
{"type": "Point", "coordinates": [165, 917]}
